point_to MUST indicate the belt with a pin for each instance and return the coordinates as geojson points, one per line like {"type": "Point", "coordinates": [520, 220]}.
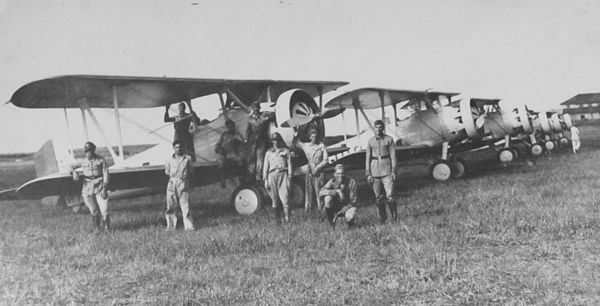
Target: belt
{"type": "Point", "coordinates": [91, 177]}
{"type": "Point", "coordinates": [380, 157]}
{"type": "Point", "coordinates": [278, 170]}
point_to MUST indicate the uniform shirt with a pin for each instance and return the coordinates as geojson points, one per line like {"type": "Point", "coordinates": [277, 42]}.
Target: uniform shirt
{"type": "Point", "coordinates": [380, 147]}
{"type": "Point", "coordinates": [229, 143]}
{"type": "Point", "coordinates": [316, 154]}
{"type": "Point", "coordinates": [574, 133]}
{"type": "Point", "coordinates": [347, 185]}
{"type": "Point", "coordinates": [93, 175]}
{"type": "Point", "coordinates": [179, 167]}
{"type": "Point", "coordinates": [276, 160]}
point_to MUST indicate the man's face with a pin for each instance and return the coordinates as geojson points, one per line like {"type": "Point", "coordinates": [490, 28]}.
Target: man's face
{"type": "Point", "coordinates": [274, 142]}
{"type": "Point", "coordinates": [313, 138]}
{"type": "Point", "coordinates": [338, 174]}
{"type": "Point", "coordinates": [181, 108]}
{"type": "Point", "coordinates": [178, 149]}
{"type": "Point", "coordinates": [256, 108]}
{"type": "Point", "coordinates": [380, 129]}
{"type": "Point", "coordinates": [89, 154]}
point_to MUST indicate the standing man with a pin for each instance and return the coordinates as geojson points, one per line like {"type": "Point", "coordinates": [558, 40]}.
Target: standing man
{"type": "Point", "coordinates": [228, 150]}
{"type": "Point", "coordinates": [316, 154]}
{"type": "Point", "coordinates": [185, 124]}
{"type": "Point", "coordinates": [381, 170]}
{"type": "Point", "coordinates": [95, 181]}
{"type": "Point", "coordinates": [339, 195]}
{"type": "Point", "coordinates": [179, 169]}
{"type": "Point", "coordinates": [258, 140]}
{"type": "Point", "coordinates": [575, 140]}
{"type": "Point", "coordinates": [277, 174]}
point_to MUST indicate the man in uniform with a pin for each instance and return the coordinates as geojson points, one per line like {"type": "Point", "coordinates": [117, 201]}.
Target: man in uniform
{"type": "Point", "coordinates": [179, 169]}
{"type": "Point", "coordinates": [228, 151]}
{"type": "Point", "coordinates": [339, 195]}
{"type": "Point", "coordinates": [380, 167]}
{"type": "Point", "coordinates": [277, 174]}
{"type": "Point", "coordinates": [95, 181]}
{"type": "Point", "coordinates": [258, 140]}
{"type": "Point", "coordinates": [575, 140]}
{"type": "Point", "coordinates": [316, 154]}
{"type": "Point", "coordinates": [184, 124]}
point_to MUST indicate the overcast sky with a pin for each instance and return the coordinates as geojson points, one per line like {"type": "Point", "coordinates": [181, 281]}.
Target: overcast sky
{"type": "Point", "coordinates": [535, 52]}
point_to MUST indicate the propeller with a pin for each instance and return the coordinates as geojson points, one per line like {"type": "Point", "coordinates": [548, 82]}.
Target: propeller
{"type": "Point", "coordinates": [479, 115]}
{"type": "Point", "coordinates": [300, 117]}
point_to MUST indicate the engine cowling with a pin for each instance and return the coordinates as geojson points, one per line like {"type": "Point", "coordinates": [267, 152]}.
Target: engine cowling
{"type": "Point", "coordinates": [566, 119]}
{"type": "Point", "coordinates": [525, 119]}
{"type": "Point", "coordinates": [293, 103]}
{"type": "Point", "coordinates": [555, 123]}
{"type": "Point", "coordinates": [544, 123]}
{"type": "Point", "coordinates": [472, 118]}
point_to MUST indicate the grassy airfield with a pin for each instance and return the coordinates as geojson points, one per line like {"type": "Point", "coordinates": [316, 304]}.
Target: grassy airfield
{"type": "Point", "coordinates": [504, 235]}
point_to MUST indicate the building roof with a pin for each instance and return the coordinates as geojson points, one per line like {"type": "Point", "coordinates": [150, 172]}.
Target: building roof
{"type": "Point", "coordinates": [583, 99]}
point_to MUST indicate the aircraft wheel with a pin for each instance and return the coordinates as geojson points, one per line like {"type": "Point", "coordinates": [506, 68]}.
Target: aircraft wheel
{"type": "Point", "coordinates": [297, 195]}
{"type": "Point", "coordinates": [506, 155]}
{"type": "Point", "coordinates": [459, 168]}
{"type": "Point", "coordinates": [564, 142]}
{"type": "Point", "coordinates": [77, 208]}
{"type": "Point", "coordinates": [248, 199]}
{"type": "Point", "coordinates": [536, 149]}
{"type": "Point", "coordinates": [440, 170]}
{"type": "Point", "coordinates": [549, 145]}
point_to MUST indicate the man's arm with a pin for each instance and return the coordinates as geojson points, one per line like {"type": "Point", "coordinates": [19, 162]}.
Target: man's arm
{"type": "Point", "coordinates": [167, 118]}
{"type": "Point", "coordinates": [105, 175]}
{"type": "Point", "coordinates": [327, 189]}
{"type": "Point", "coordinates": [190, 167]}
{"type": "Point", "coordinates": [368, 159]}
{"type": "Point", "coordinates": [393, 154]}
{"type": "Point", "coordinates": [168, 168]}
{"type": "Point", "coordinates": [219, 145]}
{"type": "Point", "coordinates": [289, 164]}
{"type": "Point", "coordinates": [352, 194]}
{"type": "Point", "coordinates": [323, 163]}
{"type": "Point", "coordinates": [266, 166]}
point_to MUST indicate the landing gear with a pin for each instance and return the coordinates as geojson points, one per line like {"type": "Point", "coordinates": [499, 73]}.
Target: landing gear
{"type": "Point", "coordinates": [506, 155]}
{"type": "Point", "coordinates": [459, 168]}
{"type": "Point", "coordinates": [248, 199]}
{"type": "Point", "coordinates": [549, 145]}
{"type": "Point", "coordinates": [536, 149]}
{"type": "Point", "coordinates": [440, 170]}
{"type": "Point", "coordinates": [564, 142]}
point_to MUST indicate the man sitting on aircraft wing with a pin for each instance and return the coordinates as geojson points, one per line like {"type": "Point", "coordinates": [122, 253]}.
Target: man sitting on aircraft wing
{"type": "Point", "coordinates": [228, 150]}
{"type": "Point", "coordinates": [95, 180]}
{"type": "Point", "coordinates": [258, 139]}
{"type": "Point", "coordinates": [184, 124]}
{"type": "Point", "coordinates": [316, 154]}
{"type": "Point", "coordinates": [339, 195]}
{"type": "Point", "coordinates": [381, 169]}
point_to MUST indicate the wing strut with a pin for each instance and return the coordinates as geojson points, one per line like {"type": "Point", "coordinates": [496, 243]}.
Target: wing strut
{"type": "Point", "coordinates": [71, 149]}
{"type": "Point", "coordinates": [367, 119]}
{"type": "Point", "coordinates": [236, 99]}
{"type": "Point", "coordinates": [83, 104]}
{"type": "Point", "coordinates": [84, 122]}
{"type": "Point", "coordinates": [223, 108]}
{"type": "Point", "coordinates": [381, 96]}
{"type": "Point", "coordinates": [344, 125]}
{"type": "Point", "coordinates": [118, 123]}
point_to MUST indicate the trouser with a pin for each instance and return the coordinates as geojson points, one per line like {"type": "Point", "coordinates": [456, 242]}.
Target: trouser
{"type": "Point", "coordinates": [178, 196]}
{"type": "Point", "coordinates": [256, 159]}
{"type": "Point", "coordinates": [228, 162]}
{"type": "Point", "coordinates": [334, 207]}
{"type": "Point", "coordinates": [381, 185]}
{"type": "Point", "coordinates": [576, 144]}
{"type": "Point", "coordinates": [279, 188]}
{"type": "Point", "coordinates": [312, 186]}
{"type": "Point", "coordinates": [96, 204]}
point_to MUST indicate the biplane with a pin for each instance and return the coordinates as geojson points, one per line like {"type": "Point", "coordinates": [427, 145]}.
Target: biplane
{"type": "Point", "coordinates": [146, 170]}
{"type": "Point", "coordinates": [424, 124]}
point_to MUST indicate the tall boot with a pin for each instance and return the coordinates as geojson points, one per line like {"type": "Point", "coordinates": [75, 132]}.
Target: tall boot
{"type": "Point", "coordinates": [106, 223]}
{"type": "Point", "coordinates": [286, 212]}
{"type": "Point", "coordinates": [278, 215]}
{"type": "Point", "coordinates": [393, 210]}
{"type": "Point", "coordinates": [382, 212]}
{"type": "Point", "coordinates": [95, 223]}
{"type": "Point", "coordinates": [330, 215]}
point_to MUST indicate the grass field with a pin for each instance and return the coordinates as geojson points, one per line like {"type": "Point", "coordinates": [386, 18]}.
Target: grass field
{"type": "Point", "coordinates": [504, 235]}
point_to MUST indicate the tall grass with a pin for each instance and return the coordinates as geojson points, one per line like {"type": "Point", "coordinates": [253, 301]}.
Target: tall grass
{"type": "Point", "coordinates": [504, 235]}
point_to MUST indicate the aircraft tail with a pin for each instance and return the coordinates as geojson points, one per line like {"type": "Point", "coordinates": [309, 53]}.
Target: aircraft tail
{"type": "Point", "coordinates": [49, 161]}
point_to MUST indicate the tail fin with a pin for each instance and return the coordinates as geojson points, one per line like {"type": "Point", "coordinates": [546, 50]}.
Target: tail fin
{"type": "Point", "coordinates": [45, 160]}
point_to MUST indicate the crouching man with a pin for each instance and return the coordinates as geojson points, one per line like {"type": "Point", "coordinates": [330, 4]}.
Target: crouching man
{"type": "Point", "coordinates": [95, 181]}
{"type": "Point", "coordinates": [339, 197]}
{"type": "Point", "coordinates": [179, 169]}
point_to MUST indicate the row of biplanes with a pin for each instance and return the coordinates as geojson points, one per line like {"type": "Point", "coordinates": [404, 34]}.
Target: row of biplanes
{"type": "Point", "coordinates": [432, 125]}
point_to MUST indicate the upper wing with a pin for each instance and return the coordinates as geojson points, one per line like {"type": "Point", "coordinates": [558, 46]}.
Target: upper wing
{"type": "Point", "coordinates": [142, 92]}
{"type": "Point", "coordinates": [367, 98]}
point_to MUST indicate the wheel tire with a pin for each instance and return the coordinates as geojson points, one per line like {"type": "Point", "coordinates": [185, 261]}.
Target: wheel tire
{"type": "Point", "coordinates": [536, 149]}
{"type": "Point", "coordinates": [549, 146]}
{"type": "Point", "coordinates": [515, 153]}
{"type": "Point", "coordinates": [248, 199]}
{"type": "Point", "coordinates": [459, 168]}
{"type": "Point", "coordinates": [564, 142]}
{"type": "Point", "coordinates": [506, 155]}
{"type": "Point", "coordinates": [440, 170]}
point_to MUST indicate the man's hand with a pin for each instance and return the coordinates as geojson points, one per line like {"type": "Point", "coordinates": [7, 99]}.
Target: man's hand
{"type": "Point", "coordinates": [289, 180]}
{"type": "Point", "coordinates": [340, 194]}
{"type": "Point", "coordinates": [370, 179]}
{"type": "Point", "coordinates": [104, 194]}
{"type": "Point", "coordinates": [266, 185]}
{"type": "Point", "coordinates": [393, 175]}
{"type": "Point", "coordinates": [75, 176]}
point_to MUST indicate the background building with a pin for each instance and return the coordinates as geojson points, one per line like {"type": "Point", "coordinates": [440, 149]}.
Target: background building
{"type": "Point", "coordinates": [583, 107]}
